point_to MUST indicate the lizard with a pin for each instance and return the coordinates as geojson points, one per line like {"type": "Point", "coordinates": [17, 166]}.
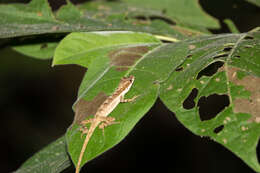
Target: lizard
{"type": "Point", "coordinates": [100, 118]}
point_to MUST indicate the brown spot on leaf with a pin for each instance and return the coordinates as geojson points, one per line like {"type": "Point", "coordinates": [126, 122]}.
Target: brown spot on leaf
{"type": "Point", "coordinates": [122, 68]}
{"type": "Point", "coordinates": [85, 108]}
{"type": "Point", "coordinates": [242, 105]}
{"type": "Point", "coordinates": [125, 57]}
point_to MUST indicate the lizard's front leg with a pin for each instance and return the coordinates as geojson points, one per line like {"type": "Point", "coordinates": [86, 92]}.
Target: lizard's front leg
{"type": "Point", "coordinates": [106, 121]}
{"type": "Point", "coordinates": [123, 100]}
{"type": "Point", "coordinates": [83, 128]}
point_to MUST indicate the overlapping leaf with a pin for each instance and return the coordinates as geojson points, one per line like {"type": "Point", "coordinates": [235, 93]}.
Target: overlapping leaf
{"type": "Point", "coordinates": [52, 159]}
{"type": "Point", "coordinates": [144, 60]}
{"type": "Point", "coordinates": [37, 18]}
{"type": "Point", "coordinates": [224, 67]}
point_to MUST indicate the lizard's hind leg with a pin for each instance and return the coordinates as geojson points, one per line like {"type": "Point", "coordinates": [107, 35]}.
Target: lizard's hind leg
{"type": "Point", "coordinates": [83, 127]}
{"type": "Point", "coordinates": [84, 130]}
{"type": "Point", "coordinates": [106, 122]}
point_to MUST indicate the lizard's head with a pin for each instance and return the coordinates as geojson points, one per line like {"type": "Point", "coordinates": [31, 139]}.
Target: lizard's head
{"type": "Point", "coordinates": [131, 78]}
{"type": "Point", "coordinates": [126, 82]}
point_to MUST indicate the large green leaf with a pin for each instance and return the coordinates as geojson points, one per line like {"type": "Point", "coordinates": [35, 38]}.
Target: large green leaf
{"type": "Point", "coordinates": [52, 159]}
{"type": "Point", "coordinates": [82, 48]}
{"type": "Point", "coordinates": [185, 13]}
{"type": "Point", "coordinates": [149, 62]}
{"type": "Point", "coordinates": [225, 68]}
{"type": "Point", "coordinates": [191, 71]}
{"type": "Point", "coordinates": [37, 18]}
{"type": "Point", "coordinates": [138, 14]}
{"type": "Point", "coordinates": [256, 2]}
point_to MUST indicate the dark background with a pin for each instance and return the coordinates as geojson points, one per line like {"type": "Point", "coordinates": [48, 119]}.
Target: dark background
{"type": "Point", "coordinates": [35, 109]}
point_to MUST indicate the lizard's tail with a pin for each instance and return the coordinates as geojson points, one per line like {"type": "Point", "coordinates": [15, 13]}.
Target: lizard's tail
{"type": "Point", "coordinates": [89, 134]}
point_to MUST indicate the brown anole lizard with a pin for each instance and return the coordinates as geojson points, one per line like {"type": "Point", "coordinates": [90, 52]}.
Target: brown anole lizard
{"type": "Point", "coordinates": [100, 117]}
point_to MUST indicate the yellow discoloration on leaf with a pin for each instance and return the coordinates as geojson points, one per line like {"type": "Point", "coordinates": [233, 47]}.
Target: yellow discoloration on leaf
{"type": "Point", "coordinates": [170, 87]}
{"type": "Point", "coordinates": [192, 46]}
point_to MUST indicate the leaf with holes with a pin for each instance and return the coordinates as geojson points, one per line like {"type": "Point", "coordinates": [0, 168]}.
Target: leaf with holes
{"type": "Point", "coordinates": [37, 18]}
{"type": "Point", "coordinates": [215, 91]}
{"type": "Point", "coordinates": [256, 2]}
{"type": "Point", "coordinates": [188, 15]}
{"type": "Point", "coordinates": [108, 59]}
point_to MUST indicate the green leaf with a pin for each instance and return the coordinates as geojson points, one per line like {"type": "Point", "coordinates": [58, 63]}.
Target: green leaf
{"type": "Point", "coordinates": [52, 159]}
{"type": "Point", "coordinates": [120, 13]}
{"type": "Point", "coordinates": [37, 18]}
{"type": "Point", "coordinates": [149, 62]}
{"type": "Point", "coordinates": [185, 13]}
{"type": "Point", "coordinates": [39, 51]}
{"type": "Point", "coordinates": [256, 2]}
{"type": "Point", "coordinates": [82, 48]}
{"type": "Point", "coordinates": [232, 27]}
{"type": "Point", "coordinates": [222, 67]}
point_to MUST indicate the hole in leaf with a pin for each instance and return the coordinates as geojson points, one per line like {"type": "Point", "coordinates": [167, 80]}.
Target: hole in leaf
{"type": "Point", "coordinates": [248, 46]}
{"type": "Point", "coordinates": [179, 68]}
{"type": "Point", "coordinates": [43, 46]}
{"type": "Point", "coordinates": [164, 11]}
{"type": "Point", "coordinates": [249, 37]}
{"type": "Point", "coordinates": [210, 106]}
{"type": "Point", "coordinates": [251, 84]}
{"type": "Point", "coordinates": [258, 151]}
{"type": "Point", "coordinates": [237, 56]}
{"type": "Point", "coordinates": [210, 69]}
{"type": "Point", "coordinates": [189, 101]}
{"type": "Point", "coordinates": [165, 19]}
{"type": "Point", "coordinates": [188, 56]}
{"type": "Point", "coordinates": [218, 129]}
{"type": "Point", "coordinates": [220, 56]}
{"type": "Point", "coordinates": [227, 49]}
